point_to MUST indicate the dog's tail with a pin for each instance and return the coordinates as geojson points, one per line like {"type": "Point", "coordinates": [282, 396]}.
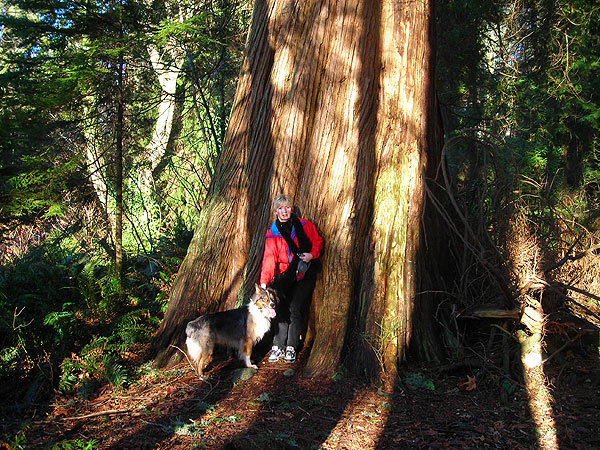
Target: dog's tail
{"type": "Point", "coordinates": [194, 332]}
{"type": "Point", "coordinates": [198, 344]}
{"type": "Point", "coordinates": [194, 349]}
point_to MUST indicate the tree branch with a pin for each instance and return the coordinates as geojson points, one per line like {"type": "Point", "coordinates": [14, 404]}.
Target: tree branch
{"type": "Point", "coordinates": [96, 414]}
{"type": "Point", "coordinates": [572, 258]}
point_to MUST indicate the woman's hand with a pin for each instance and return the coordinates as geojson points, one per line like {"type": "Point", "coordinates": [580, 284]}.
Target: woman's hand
{"type": "Point", "coordinates": [306, 257]}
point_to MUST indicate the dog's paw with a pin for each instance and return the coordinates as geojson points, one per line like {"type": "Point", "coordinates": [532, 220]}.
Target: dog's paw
{"type": "Point", "coordinates": [252, 366]}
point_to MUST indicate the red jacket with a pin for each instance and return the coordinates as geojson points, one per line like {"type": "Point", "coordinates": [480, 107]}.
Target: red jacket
{"type": "Point", "coordinates": [277, 254]}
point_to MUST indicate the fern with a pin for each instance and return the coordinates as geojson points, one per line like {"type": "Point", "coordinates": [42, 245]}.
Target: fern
{"type": "Point", "coordinates": [72, 313]}
{"type": "Point", "coordinates": [74, 444]}
{"type": "Point", "coordinates": [134, 327]}
{"type": "Point", "coordinates": [69, 379]}
{"type": "Point", "coordinates": [114, 373]}
{"type": "Point", "coordinates": [85, 373]}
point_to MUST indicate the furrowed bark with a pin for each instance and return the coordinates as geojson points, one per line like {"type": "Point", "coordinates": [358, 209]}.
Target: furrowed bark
{"type": "Point", "coordinates": [333, 108]}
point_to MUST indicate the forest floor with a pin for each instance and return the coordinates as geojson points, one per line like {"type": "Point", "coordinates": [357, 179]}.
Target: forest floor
{"type": "Point", "coordinates": [279, 408]}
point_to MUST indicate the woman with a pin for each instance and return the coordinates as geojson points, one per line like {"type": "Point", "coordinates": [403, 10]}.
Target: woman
{"type": "Point", "coordinates": [290, 265]}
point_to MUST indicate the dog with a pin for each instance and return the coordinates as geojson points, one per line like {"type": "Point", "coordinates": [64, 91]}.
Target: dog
{"type": "Point", "coordinates": [238, 328]}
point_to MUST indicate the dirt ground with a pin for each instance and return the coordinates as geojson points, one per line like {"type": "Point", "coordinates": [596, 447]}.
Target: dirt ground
{"type": "Point", "coordinates": [279, 408]}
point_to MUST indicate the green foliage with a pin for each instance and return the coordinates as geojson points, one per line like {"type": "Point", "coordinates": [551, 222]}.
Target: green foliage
{"type": "Point", "coordinates": [419, 381]}
{"type": "Point", "coordinates": [41, 75]}
{"type": "Point", "coordinates": [73, 444]}
{"type": "Point", "coordinates": [58, 106]}
{"type": "Point", "coordinates": [83, 374]}
{"type": "Point", "coordinates": [205, 408]}
{"type": "Point", "coordinates": [339, 374]}
{"type": "Point", "coordinates": [265, 397]}
{"type": "Point", "coordinates": [518, 87]}
{"type": "Point", "coordinates": [38, 186]}
{"type": "Point", "coordinates": [16, 442]}
{"type": "Point", "coordinates": [197, 427]}
{"type": "Point", "coordinates": [185, 31]}
{"type": "Point", "coordinates": [60, 309]}
{"type": "Point", "coordinates": [529, 72]}
{"type": "Point", "coordinates": [61, 322]}
{"type": "Point", "coordinates": [286, 440]}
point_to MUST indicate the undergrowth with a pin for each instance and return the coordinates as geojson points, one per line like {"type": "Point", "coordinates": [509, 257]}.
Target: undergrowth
{"type": "Point", "coordinates": [65, 325]}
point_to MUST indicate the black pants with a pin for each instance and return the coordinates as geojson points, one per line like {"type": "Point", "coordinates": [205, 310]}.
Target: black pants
{"type": "Point", "coordinates": [292, 312]}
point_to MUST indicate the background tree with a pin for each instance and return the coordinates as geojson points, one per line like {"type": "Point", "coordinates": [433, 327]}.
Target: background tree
{"type": "Point", "coordinates": [513, 187]}
{"type": "Point", "coordinates": [70, 114]}
{"type": "Point", "coordinates": [77, 84]}
{"type": "Point", "coordinates": [518, 108]}
{"type": "Point", "coordinates": [335, 107]}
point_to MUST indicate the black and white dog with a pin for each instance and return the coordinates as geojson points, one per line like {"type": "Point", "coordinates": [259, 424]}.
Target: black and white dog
{"type": "Point", "coordinates": [238, 328]}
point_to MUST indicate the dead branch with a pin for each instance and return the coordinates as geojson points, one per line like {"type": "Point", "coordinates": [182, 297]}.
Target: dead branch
{"type": "Point", "coordinates": [555, 288]}
{"type": "Point", "coordinates": [96, 414]}
{"type": "Point", "coordinates": [202, 377]}
{"type": "Point", "coordinates": [579, 291]}
{"type": "Point", "coordinates": [17, 314]}
{"type": "Point", "coordinates": [567, 258]}
{"type": "Point", "coordinates": [565, 345]}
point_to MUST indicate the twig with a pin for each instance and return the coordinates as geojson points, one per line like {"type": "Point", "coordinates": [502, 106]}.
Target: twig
{"type": "Point", "coordinates": [556, 286]}
{"type": "Point", "coordinates": [572, 258]}
{"type": "Point", "coordinates": [198, 374]}
{"type": "Point", "coordinates": [579, 291]}
{"type": "Point", "coordinates": [506, 332]}
{"type": "Point", "coordinates": [96, 414]}
{"type": "Point", "coordinates": [189, 362]}
{"type": "Point", "coordinates": [17, 314]}
{"type": "Point", "coordinates": [304, 411]}
{"type": "Point", "coordinates": [565, 345]}
{"type": "Point", "coordinates": [164, 428]}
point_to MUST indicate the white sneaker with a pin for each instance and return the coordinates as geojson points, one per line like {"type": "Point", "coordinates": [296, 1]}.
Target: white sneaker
{"type": "Point", "coordinates": [290, 354]}
{"type": "Point", "coordinates": [276, 354]}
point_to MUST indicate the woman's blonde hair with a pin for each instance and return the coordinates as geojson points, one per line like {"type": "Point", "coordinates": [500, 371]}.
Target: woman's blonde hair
{"type": "Point", "coordinates": [280, 200]}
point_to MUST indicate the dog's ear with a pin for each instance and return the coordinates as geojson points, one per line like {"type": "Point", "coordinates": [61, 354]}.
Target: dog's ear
{"type": "Point", "coordinates": [272, 294]}
{"type": "Point", "coordinates": [257, 288]}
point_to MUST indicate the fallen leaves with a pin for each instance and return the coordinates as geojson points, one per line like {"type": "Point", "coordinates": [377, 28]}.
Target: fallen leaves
{"type": "Point", "coordinates": [469, 385]}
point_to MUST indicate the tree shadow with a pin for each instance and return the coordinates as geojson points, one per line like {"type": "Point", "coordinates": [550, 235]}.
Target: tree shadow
{"type": "Point", "coordinates": [294, 412]}
{"type": "Point", "coordinates": [180, 410]}
{"type": "Point", "coordinates": [261, 151]}
{"type": "Point", "coordinates": [257, 415]}
{"type": "Point", "coordinates": [358, 353]}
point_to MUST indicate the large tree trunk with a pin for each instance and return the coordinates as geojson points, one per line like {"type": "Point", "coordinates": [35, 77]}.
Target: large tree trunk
{"type": "Point", "coordinates": [333, 107]}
